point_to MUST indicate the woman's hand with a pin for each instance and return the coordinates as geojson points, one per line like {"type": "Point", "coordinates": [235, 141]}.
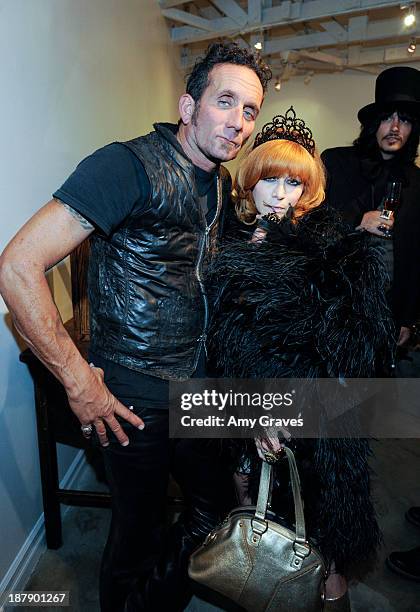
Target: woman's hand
{"type": "Point", "coordinates": [270, 443]}
{"type": "Point", "coordinates": [259, 233]}
{"type": "Point", "coordinates": [263, 224]}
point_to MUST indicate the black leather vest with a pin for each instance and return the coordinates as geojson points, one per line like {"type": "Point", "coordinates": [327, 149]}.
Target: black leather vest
{"type": "Point", "coordinates": [148, 305]}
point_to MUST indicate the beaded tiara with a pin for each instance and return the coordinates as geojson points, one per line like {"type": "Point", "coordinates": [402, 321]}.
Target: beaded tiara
{"type": "Point", "coordinates": [287, 127]}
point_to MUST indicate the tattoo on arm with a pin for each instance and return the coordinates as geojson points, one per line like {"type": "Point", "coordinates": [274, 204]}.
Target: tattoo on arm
{"type": "Point", "coordinates": [83, 222]}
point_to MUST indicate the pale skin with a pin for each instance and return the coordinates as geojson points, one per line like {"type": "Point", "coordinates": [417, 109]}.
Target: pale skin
{"type": "Point", "coordinates": [214, 129]}
{"type": "Point", "coordinates": [391, 136]}
{"type": "Point", "coordinates": [229, 107]}
{"type": "Point", "coordinates": [23, 264]}
{"type": "Point", "coordinates": [275, 195]}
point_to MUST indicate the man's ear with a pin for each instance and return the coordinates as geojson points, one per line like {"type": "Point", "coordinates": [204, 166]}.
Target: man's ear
{"type": "Point", "coordinates": [186, 108]}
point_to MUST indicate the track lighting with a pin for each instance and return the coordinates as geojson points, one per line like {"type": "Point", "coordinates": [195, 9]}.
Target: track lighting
{"type": "Point", "coordinates": [410, 16]}
{"type": "Point", "coordinates": [308, 77]}
{"type": "Point", "coordinates": [412, 45]}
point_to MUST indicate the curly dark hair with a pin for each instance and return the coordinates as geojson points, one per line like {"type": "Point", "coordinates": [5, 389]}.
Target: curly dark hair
{"type": "Point", "coordinates": [366, 143]}
{"type": "Point", "coordinates": [224, 53]}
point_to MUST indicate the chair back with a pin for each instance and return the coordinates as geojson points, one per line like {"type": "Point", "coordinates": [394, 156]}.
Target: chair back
{"type": "Point", "coordinates": [79, 261]}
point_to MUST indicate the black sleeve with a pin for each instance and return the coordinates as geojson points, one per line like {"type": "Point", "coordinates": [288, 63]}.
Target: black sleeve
{"type": "Point", "coordinates": [340, 192]}
{"type": "Point", "coordinates": [106, 187]}
{"type": "Point", "coordinates": [406, 286]}
{"type": "Point", "coordinates": [328, 195]}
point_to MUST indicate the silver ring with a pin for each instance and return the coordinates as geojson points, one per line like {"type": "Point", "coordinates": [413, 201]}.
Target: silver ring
{"type": "Point", "coordinates": [87, 430]}
{"type": "Point", "coordinates": [386, 230]}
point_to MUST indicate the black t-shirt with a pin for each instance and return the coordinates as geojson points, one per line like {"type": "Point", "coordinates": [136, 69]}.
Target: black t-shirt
{"type": "Point", "coordinates": [112, 184]}
{"type": "Point", "coordinates": [106, 188]}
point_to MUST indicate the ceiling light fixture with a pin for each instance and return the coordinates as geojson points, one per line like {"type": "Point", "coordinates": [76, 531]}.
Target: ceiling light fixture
{"type": "Point", "coordinates": [308, 77]}
{"type": "Point", "coordinates": [412, 45]}
{"type": "Point", "coordinates": [410, 16]}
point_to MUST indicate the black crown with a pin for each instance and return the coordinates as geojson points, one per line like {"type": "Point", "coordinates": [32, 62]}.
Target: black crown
{"type": "Point", "coordinates": [287, 127]}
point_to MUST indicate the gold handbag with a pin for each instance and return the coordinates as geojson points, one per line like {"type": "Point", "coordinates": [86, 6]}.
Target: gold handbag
{"type": "Point", "coordinates": [259, 564]}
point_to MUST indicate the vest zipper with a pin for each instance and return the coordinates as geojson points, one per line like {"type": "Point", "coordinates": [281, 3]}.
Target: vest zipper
{"type": "Point", "coordinates": [204, 247]}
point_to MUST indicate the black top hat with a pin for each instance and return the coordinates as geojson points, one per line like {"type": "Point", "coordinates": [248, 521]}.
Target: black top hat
{"type": "Point", "coordinates": [396, 89]}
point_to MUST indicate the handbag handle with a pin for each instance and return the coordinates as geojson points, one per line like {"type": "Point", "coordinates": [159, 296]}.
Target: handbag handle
{"type": "Point", "coordinates": [264, 495]}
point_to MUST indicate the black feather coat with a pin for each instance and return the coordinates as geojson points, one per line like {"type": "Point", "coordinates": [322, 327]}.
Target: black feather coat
{"type": "Point", "coordinates": [308, 302]}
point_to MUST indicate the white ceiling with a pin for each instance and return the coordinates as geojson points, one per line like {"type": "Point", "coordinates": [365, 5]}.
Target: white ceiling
{"type": "Point", "coordinates": [299, 38]}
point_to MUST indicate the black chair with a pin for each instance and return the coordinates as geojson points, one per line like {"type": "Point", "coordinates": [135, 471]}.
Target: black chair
{"type": "Point", "coordinates": [55, 420]}
{"type": "Point", "coordinates": [57, 423]}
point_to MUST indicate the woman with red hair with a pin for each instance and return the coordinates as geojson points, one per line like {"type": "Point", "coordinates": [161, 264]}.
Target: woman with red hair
{"type": "Point", "coordinates": [266, 165]}
{"type": "Point", "coordinates": [301, 296]}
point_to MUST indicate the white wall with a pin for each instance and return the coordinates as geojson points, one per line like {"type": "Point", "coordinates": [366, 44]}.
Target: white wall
{"type": "Point", "coordinates": [328, 104]}
{"type": "Point", "coordinates": [74, 75]}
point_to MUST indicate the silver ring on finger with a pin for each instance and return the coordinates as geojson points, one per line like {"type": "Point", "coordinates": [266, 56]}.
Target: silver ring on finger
{"type": "Point", "coordinates": [87, 430]}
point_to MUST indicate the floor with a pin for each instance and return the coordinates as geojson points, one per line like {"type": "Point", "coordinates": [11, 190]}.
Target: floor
{"type": "Point", "coordinates": [74, 567]}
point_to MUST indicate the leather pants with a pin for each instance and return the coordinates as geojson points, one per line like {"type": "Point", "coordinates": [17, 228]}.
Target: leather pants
{"type": "Point", "coordinates": [145, 564]}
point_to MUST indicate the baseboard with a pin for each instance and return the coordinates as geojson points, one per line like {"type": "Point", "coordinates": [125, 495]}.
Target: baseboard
{"type": "Point", "coordinates": [35, 545]}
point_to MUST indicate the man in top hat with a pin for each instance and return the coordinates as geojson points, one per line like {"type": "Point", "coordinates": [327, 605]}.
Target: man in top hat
{"type": "Point", "coordinates": [359, 184]}
{"type": "Point", "coordinates": [360, 178]}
